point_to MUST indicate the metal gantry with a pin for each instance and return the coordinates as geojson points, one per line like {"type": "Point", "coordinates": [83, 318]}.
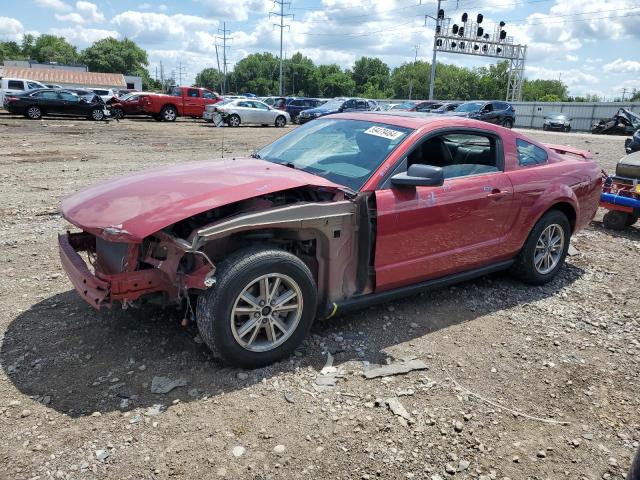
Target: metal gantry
{"type": "Point", "coordinates": [470, 38]}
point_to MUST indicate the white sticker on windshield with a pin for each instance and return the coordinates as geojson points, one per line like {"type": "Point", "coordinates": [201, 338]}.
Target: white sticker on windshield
{"type": "Point", "coordinates": [384, 132]}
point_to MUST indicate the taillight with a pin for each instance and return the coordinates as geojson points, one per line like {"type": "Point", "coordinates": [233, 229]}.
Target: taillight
{"type": "Point", "coordinates": [11, 99]}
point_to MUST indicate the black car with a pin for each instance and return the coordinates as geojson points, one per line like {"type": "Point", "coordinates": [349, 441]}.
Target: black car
{"type": "Point", "coordinates": [36, 103]}
{"type": "Point", "coordinates": [295, 105]}
{"type": "Point", "coordinates": [633, 144]}
{"type": "Point", "coordinates": [557, 121]}
{"type": "Point", "coordinates": [444, 107]}
{"type": "Point", "coordinates": [337, 105]}
{"type": "Point", "coordinates": [493, 111]}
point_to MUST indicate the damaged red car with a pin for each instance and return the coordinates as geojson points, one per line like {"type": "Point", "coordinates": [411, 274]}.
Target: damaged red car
{"type": "Point", "coordinates": [346, 211]}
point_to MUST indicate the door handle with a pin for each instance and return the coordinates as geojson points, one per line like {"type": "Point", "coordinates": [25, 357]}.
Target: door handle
{"type": "Point", "coordinates": [497, 193]}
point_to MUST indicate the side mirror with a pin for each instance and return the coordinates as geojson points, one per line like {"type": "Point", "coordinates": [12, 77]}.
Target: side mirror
{"type": "Point", "coordinates": [419, 175]}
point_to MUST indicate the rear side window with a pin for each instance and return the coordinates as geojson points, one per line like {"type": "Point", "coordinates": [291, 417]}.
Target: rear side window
{"type": "Point", "coordinates": [176, 92]}
{"type": "Point", "coordinates": [49, 95]}
{"type": "Point", "coordinates": [530, 154]}
{"type": "Point", "coordinates": [15, 85]}
{"type": "Point", "coordinates": [208, 95]}
{"type": "Point", "coordinates": [97, 91]}
{"type": "Point", "coordinates": [193, 92]}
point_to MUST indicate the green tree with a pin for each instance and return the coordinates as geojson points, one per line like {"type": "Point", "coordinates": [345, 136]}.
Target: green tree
{"type": "Point", "coordinates": [334, 82]}
{"type": "Point", "coordinates": [209, 78]}
{"type": "Point", "coordinates": [111, 55]}
{"type": "Point", "coordinates": [550, 97]}
{"type": "Point", "coordinates": [49, 48]}
{"type": "Point", "coordinates": [10, 51]}
{"type": "Point", "coordinates": [410, 80]}
{"type": "Point", "coordinates": [300, 76]}
{"type": "Point", "coordinates": [535, 90]}
{"type": "Point", "coordinates": [635, 96]}
{"type": "Point", "coordinates": [370, 74]}
{"type": "Point", "coordinates": [256, 73]}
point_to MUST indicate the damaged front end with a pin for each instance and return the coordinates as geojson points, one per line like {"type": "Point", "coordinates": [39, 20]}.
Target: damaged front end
{"type": "Point", "coordinates": [104, 271]}
{"type": "Point", "coordinates": [319, 226]}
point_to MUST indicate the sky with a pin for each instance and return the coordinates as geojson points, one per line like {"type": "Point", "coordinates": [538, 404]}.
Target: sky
{"type": "Point", "coordinates": [591, 45]}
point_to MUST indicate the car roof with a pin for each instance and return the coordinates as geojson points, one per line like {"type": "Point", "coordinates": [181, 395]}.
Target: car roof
{"type": "Point", "coordinates": [413, 120]}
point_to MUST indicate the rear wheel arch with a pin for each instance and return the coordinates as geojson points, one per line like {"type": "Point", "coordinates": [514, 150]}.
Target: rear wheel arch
{"type": "Point", "coordinates": [569, 211]}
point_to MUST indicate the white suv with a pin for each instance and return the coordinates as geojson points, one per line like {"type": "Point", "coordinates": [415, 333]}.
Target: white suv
{"type": "Point", "coordinates": [17, 85]}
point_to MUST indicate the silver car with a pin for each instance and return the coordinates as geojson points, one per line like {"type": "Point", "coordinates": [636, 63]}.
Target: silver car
{"type": "Point", "coordinates": [245, 111]}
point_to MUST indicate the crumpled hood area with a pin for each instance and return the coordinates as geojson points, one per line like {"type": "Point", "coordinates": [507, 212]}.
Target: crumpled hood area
{"type": "Point", "coordinates": [133, 207]}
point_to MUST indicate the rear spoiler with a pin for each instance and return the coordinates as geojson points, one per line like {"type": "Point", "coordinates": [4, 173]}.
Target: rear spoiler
{"type": "Point", "coordinates": [564, 150]}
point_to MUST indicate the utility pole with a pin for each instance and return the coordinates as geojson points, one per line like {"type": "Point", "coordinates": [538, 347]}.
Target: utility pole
{"type": "Point", "coordinates": [225, 34]}
{"type": "Point", "coordinates": [433, 60]}
{"type": "Point", "coordinates": [281, 26]}
{"type": "Point", "coordinates": [415, 60]}
{"type": "Point", "coordinates": [219, 72]}
{"type": "Point", "coordinates": [180, 70]}
{"type": "Point", "coordinates": [624, 92]}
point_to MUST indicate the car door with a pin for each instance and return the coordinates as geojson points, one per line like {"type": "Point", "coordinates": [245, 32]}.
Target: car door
{"type": "Point", "coordinates": [489, 114]}
{"type": "Point", "coordinates": [193, 103]}
{"type": "Point", "coordinates": [71, 104]}
{"type": "Point", "coordinates": [245, 109]}
{"type": "Point", "coordinates": [49, 101]}
{"type": "Point", "coordinates": [349, 105]}
{"type": "Point", "coordinates": [430, 232]}
{"type": "Point", "coordinates": [262, 112]}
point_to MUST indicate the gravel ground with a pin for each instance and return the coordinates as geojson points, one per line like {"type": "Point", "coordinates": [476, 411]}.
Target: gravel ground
{"type": "Point", "coordinates": [520, 382]}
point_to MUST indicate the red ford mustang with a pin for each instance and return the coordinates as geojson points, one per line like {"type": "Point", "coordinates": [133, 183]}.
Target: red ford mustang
{"type": "Point", "coordinates": [346, 211]}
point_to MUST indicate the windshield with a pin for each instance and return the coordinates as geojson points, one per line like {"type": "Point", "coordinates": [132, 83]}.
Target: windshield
{"type": "Point", "coordinates": [557, 116]}
{"type": "Point", "coordinates": [469, 107]}
{"type": "Point", "coordinates": [404, 106]}
{"type": "Point", "coordinates": [333, 104]}
{"type": "Point", "coordinates": [346, 152]}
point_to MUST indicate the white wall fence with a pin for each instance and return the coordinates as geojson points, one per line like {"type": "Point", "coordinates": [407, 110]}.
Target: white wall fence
{"type": "Point", "coordinates": [583, 115]}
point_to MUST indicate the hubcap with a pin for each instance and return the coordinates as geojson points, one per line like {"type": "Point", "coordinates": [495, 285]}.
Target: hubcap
{"type": "Point", "coordinates": [97, 114]}
{"type": "Point", "coordinates": [169, 114]}
{"type": "Point", "coordinates": [266, 312]}
{"type": "Point", "coordinates": [235, 121]}
{"type": "Point", "coordinates": [549, 249]}
{"type": "Point", "coordinates": [34, 112]}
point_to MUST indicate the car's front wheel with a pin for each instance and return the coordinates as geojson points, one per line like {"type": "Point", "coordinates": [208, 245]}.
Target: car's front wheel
{"type": "Point", "coordinates": [117, 113]}
{"type": "Point", "coordinates": [507, 123]}
{"type": "Point", "coordinates": [234, 120]}
{"type": "Point", "coordinates": [260, 308]}
{"type": "Point", "coordinates": [281, 122]}
{"type": "Point", "coordinates": [545, 250]}
{"type": "Point", "coordinates": [34, 113]}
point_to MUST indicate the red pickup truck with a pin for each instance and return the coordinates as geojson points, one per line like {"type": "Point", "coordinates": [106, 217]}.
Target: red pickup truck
{"type": "Point", "coordinates": [179, 102]}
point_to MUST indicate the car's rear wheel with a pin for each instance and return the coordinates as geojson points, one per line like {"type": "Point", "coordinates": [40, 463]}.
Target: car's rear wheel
{"type": "Point", "coordinates": [169, 113]}
{"type": "Point", "coordinates": [545, 250]}
{"type": "Point", "coordinates": [567, 128]}
{"type": "Point", "coordinates": [615, 220]}
{"type": "Point", "coordinates": [281, 122]}
{"type": "Point", "coordinates": [544, 127]}
{"type": "Point", "coordinates": [631, 219]}
{"type": "Point", "coordinates": [34, 113]}
{"type": "Point", "coordinates": [507, 123]}
{"type": "Point", "coordinates": [96, 114]}
{"type": "Point", "coordinates": [234, 120]}
{"type": "Point", "coordinates": [260, 308]}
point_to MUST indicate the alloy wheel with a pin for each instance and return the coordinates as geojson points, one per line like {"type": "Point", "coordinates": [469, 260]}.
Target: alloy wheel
{"type": "Point", "coordinates": [280, 122]}
{"type": "Point", "coordinates": [97, 114]}
{"type": "Point", "coordinates": [34, 113]}
{"type": "Point", "coordinates": [266, 312]}
{"type": "Point", "coordinates": [549, 249]}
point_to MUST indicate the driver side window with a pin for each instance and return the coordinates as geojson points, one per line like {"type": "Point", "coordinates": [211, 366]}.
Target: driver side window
{"type": "Point", "coordinates": [457, 154]}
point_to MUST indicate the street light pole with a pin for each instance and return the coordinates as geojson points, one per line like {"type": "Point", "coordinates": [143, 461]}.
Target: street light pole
{"type": "Point", "coordinates": [433, 60]}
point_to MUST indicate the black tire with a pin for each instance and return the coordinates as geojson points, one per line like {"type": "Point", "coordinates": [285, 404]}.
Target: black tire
{"type": "Point", "coordinates": [96, 114]}
{"type": "Point", "coordinates": [280, 122]}
{"type": "Point", "coordinates": [33, 113]}
{"type": "Point", "coordinates": [233, 120]}
{"type": "Point", "coordinates": [117, 113]}
{"type": "Point", "coordinates": [615, 220]}
{"type": "Point", "coordinates": [215, 306]}
{"type": "Point", "coordinates": [168, 113]}
{"type": "Point", "coordinates": [156, 117]}
{"type": "Point", "coordinates": [632, 219]}
{"type": "Point", "coordinates": [567, 128]}
{"type": "Point", "coordinates": [524, 268]}
{"type": "Point", "coordinates": [544, 127]}
{"type": "Point", "coordinates": [507, 123]}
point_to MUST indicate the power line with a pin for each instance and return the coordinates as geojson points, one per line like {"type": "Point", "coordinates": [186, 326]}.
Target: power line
{"type": "Point", "coordinates": [180, 72]}
{"type": "Point", "coordinates": [281, 26]}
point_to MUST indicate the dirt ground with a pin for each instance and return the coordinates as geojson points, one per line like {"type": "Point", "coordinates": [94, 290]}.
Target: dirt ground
{"type": "Point", "coordinates": [522, 382]}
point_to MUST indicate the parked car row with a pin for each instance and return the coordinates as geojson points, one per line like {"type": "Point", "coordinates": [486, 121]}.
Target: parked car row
{"type": "Point", "coordinates": [34, 104]}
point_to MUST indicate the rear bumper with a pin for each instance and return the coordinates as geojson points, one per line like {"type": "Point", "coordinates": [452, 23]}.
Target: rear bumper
{"type": "Point", "coordinates": [90, 287]}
